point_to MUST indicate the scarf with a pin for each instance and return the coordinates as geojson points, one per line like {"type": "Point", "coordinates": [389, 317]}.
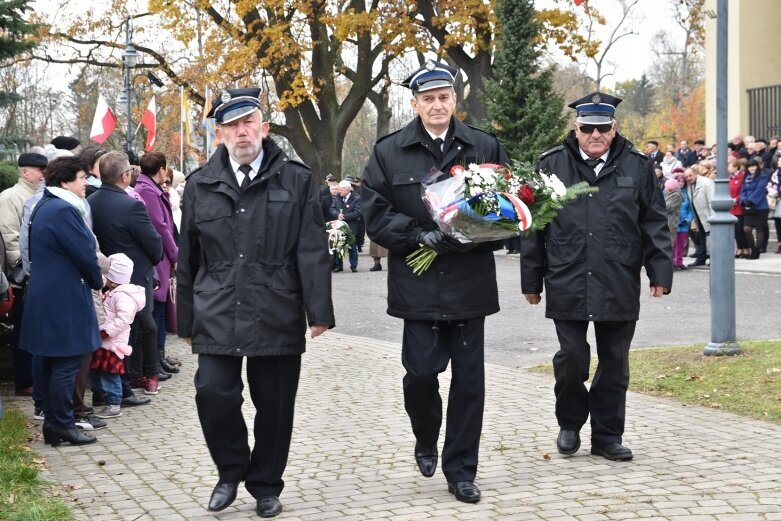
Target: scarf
{"type": "Point", "coordinates": [69, 197]}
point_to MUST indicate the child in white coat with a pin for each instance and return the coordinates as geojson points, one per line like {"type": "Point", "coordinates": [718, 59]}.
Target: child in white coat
{"type": "Point", "coordinates": [121, 302]}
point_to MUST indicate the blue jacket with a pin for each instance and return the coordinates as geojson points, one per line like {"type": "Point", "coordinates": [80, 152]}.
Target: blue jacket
{"type": "Point", "coordinates": [685, 219]}
{"type": "Point", "coordinates": [754, 189]}
{"type": "Point", "coordinates": [59, 315]}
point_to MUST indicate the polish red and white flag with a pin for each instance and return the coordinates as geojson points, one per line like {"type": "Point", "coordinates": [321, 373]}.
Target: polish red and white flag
{"type": "Point", "coordinates": [104, 122]}
{"type": "Point", "coordinates": [149, 120]}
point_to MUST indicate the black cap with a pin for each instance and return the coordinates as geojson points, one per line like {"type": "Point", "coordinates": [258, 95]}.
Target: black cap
{"type": "Point", "coordinates": [595, 109]}
{"type": "Point", "coordinates": [32, 159]}
{"type": "Point", "coordinates": [432, 75]}
{"type": "Point", "coordinates": [234, 104]}
{"type": "Point", "coordinates": [65, 142]}
{"type": "Point", "coordinates": [330, 177]}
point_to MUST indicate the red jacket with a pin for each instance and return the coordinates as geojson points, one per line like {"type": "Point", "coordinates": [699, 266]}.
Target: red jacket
{"type": "Point", "coordinates": [735, 184]}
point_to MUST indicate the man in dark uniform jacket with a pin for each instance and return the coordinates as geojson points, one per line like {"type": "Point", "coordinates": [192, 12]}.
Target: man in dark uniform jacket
{"type": "Point", "coordinates": [253, 271]}
{"type": "Point", "coordinates": [590, 258]}
{"type": "Point", "coordinates": [346, 206]}
{"type": "Point", "coordinates": [444, 308]}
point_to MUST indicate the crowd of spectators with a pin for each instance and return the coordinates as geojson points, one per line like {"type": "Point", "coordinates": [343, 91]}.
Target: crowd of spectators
{"type": "Point", "coordinates": [90, 247]}
{"type": "Point", "coordinates": [686, 177]}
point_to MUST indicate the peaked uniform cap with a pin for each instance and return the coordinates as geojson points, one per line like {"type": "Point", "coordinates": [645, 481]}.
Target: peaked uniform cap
{"type": "Point", "coordinates": [233, 104]}
{"type": "Point", "coordinates": [432, 75]}
{"type": "Point", "coordinates": [596, 108]}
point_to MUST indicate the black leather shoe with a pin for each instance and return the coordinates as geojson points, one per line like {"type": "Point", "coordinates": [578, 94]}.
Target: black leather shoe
{"type": "Point", "coordinates": [168, 368]}
{"type": "Point", "coordinates": [54, 436]}
{"type": "Point", "coordinates": [133, 400]}
{"type": "Point", "coordinates": [376, 267]}
{"type": "Point", "coordinates": [353, 269]}
{"type": "Point", "coordinates": [568, 441]}
{"type": "Point", "coordinates": [222, 496]}
{"type": "Point", "coordinates": [426, 459]}
{"type": "Point", "coordinates": [337, 270]}
{"type": "Point", "coordinates": [612, 451]}
{"type": "Point", "coordinates": [465, 491]}
{"type": "Point", "coordinates": [269, 506]}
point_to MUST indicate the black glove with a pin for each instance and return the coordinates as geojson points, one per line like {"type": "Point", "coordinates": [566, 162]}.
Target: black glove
{"type": "Point", "coordinates": [434, 239]}
{"type": "Point", "coordinates": [453, 244]}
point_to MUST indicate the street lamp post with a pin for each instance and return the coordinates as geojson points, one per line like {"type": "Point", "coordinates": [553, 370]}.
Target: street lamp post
{"type": "Point", "coordinates": [129, 60]}
{"type": "Point", "coordinates": [722, 264]}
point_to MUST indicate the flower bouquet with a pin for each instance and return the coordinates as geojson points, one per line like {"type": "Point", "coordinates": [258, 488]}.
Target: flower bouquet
{"type": "Point", "coordinates": [491, 202]}
{"type": "Point", "coordinates": [340, 237]}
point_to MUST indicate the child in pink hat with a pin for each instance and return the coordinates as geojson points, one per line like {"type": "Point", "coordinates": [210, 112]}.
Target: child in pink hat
{"type": "Point", "coordinates": [121, 302]}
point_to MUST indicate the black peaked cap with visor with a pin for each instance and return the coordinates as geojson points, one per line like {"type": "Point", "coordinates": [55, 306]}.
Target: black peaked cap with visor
{"type": "Point", "coordinates": [432, 75]}
{"type": "Point", "coordinates": [596, 108]}
{"type": "Point", "coordinates": [234, 104]}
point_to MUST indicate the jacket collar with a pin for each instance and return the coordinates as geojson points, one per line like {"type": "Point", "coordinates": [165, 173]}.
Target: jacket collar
{"type": "Point", "coordinates": [146, 180]}
{"type": "Point", "coordinates": [414, 133]}
{"type": "Point", "coordinates": [112, 188]}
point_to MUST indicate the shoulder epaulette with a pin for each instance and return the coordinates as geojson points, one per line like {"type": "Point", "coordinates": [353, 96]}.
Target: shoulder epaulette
{"type": "Point", "coordinates": [482, 130]}
{"type": "Point", "coordinates": [299, 163]}
{"type": "Point", "coordinates": [639, 153]}
{"type": "Point", "coordinates": [549, 152]}
{"type": "Point", "coordinates": [386, 136]}
{"type": "Point", "coordinates": [195, 171]}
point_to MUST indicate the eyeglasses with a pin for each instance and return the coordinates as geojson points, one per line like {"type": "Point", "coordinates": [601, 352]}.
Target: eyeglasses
{"type": "Point", "coordinates": [603, 128]}
{"type": "Point", "coordinates": [129, 171]}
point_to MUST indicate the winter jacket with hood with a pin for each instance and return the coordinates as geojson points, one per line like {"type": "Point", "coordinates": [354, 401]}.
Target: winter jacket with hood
{"type": "Point", "coordinates": [120, 306]}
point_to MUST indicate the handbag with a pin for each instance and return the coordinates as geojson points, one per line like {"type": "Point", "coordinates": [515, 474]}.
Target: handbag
{"type": "Point", "coordinates": [170, 308]}
{"type": "Point", "coordinates": [16, 274]}
{"type": "Point", "coordinates": [748, 207]}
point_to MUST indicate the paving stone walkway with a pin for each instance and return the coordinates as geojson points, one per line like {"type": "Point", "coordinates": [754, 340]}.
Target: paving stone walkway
{"type": "Point", "coordinates": [351, 456]}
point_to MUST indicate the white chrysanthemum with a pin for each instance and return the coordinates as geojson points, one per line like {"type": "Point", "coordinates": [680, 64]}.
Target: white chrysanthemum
{"type": "Point", "coordinates": [474, 167]}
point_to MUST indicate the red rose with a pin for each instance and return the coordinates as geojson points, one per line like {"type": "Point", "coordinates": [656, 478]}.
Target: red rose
{"type": "Point", "coordinates": [507, 176]}
{"type": "Point", "coordinates": [526, 193]}
{"type": "Point", "coordinates": [456, 170]}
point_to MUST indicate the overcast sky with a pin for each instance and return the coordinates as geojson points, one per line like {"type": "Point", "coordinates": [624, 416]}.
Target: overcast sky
{"type": "Point", "coordinates": [630, 59]}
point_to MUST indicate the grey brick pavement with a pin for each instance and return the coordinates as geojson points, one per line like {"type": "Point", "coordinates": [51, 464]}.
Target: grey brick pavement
{"type": "Point", "coordinates": [351, 456]}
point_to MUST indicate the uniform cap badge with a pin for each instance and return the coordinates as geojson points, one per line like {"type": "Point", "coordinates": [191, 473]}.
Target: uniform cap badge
{"type": "Point", "coordinates": [596, 99]}
{"type": "Point", "coordinates": [225, 97]}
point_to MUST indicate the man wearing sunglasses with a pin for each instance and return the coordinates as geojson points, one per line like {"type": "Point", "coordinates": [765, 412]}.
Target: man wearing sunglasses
{"type": "Point", "coordinates": [589, 259]}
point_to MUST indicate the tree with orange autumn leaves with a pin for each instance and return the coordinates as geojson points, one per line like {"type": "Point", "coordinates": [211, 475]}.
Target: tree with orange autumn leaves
{"type": "Point", "coordinates": [319, 61]}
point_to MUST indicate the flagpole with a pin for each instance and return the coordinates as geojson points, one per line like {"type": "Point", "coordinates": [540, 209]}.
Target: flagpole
{"type": "Point", "coordinates": [181, 130]}
{"type": "Point", "coordinates": [206, 126]}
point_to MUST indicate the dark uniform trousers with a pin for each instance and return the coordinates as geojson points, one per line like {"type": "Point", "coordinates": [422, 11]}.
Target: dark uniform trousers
{"type": "Point", "coordinates": [273, 383]}
{"type": "Point", "coordinates": [427, 347]}
{"type": "Point", "coordinates": [55, 378]}
{"type": "Point", "coordinates": [606, 399]}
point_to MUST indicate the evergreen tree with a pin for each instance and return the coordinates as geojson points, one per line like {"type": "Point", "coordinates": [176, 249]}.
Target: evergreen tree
{"type": "Point", "coordinates": [15, 39]}
{"type": "Point", "coordinates": [524, 109]}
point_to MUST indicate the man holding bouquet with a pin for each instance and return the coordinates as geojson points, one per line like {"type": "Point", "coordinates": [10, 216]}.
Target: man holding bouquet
{"type": "Point", "coordinates": [589, 258]}
{"type": "Point", "coordinates": [444, 307]}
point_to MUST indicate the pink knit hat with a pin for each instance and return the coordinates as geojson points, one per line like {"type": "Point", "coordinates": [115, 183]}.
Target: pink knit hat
{"type": "Point", "coordinates": [672, 184]}
{"type": "Point", "coordinates": [120, 268]}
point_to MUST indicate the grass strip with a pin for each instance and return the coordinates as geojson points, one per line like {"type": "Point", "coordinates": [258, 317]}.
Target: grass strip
{"type": "Point", "coordinates": [748, 384]}
{"type": "Point", "coordinates": [24, 496]}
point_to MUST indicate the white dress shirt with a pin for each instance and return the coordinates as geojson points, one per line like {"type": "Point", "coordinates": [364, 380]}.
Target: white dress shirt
{"type": "Point", "coordinates": [255, 168]}
{"type": "Point", "coordinates": [601, 165]}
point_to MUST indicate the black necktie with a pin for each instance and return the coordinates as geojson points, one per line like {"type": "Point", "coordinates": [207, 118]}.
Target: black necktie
{"type": "Point", "coordinates": [245, 169]}
{"type": "Point", "coordinates": [593, 162]}
{"type": "Point", "coordinates": [438, 142]}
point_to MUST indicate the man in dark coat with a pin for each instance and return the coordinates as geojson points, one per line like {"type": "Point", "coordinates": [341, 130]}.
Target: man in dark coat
{"type": "Point", "coordinates": [444, 308]}
{"type": "Point", "coordinates": [590, 258]}
{"type": "Point", "coordinates": [347, 207]}
{"type": "Point", "coordinates": [122, 225]}
{"type": "Point", "coordinates": [253, 270]}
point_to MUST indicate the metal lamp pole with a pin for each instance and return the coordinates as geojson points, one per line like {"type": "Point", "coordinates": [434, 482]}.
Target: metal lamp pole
{"type": "Point", "coordinates": [129, 60]}
{"type": "Point", "coordinates": [722, 264]}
